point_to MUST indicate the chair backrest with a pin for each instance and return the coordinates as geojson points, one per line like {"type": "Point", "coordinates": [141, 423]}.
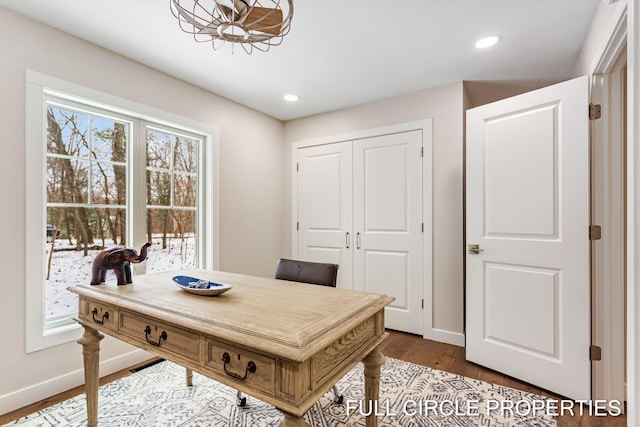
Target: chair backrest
{"type": "Point", "coordinates": [316, 273]}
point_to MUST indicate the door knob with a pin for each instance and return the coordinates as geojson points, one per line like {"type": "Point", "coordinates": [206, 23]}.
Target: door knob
{"type": "Point", "coordinates": [474, 249]}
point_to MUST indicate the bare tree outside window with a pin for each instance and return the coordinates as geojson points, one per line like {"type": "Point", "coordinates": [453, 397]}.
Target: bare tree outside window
{"type": "Point", "coordinates": [86, 198]}
{"type": "Point", "coordinates": [88, 172]}
{"type": "Point", "coordinates": [172, 173]}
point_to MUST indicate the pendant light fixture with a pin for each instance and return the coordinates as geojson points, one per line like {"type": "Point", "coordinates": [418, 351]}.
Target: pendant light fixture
{"type": "Point", "coordinates": [257, 24]}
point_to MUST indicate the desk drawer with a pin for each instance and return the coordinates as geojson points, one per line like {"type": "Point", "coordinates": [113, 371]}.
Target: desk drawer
{"type": "Point", "coordinates": [159, 334]}
{"type": "Point", "coordinates": [242, 366]}
{"type": "Point", "coordinates": [98, 313]}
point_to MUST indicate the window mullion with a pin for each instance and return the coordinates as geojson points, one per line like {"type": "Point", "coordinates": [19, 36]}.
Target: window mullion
{"type": "Point", "coordinates": [172, 172]}
{"type": "Point", "coordinates": [91, 162]}
{"type": "Point", "coordinates": [203, 225]}
{"type": "Point", "coordinates": [137, 193]}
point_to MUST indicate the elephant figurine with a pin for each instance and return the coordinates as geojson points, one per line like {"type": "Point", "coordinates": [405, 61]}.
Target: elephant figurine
{"type": "Point", "coordinates": [118, 260]}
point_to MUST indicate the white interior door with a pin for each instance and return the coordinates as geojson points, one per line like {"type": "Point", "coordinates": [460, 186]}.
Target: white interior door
{"type": "Point", "coordinates": [325, 207]}
{"type": "Point", "coordinates": [528, 288]}
{"type": "Point", "coordinates": [387, 174]}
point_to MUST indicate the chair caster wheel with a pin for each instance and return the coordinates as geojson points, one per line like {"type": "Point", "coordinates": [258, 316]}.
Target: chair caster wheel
{"type": "Point", "coordinates": [242, 402]}
{"type": "Point", "coordinates": [338, 399]}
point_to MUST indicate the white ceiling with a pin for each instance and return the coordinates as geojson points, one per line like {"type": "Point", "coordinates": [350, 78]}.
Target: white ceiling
{"type": "Point", "coordinates": [340, 53]}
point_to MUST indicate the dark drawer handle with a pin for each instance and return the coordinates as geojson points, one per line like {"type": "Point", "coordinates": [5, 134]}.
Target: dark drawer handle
{"type": "Point", "coordinates": [251, 367]}
{"type": "Point", "coordinates": [105, 316]}
{"type": "Point", "coordinates": [147, 331]}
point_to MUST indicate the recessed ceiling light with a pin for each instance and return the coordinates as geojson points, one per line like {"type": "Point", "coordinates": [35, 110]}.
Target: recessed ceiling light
{"type": "Point", "coordinates": [488, 41]}
{"type": "Point", "coordinates": [291, 97]}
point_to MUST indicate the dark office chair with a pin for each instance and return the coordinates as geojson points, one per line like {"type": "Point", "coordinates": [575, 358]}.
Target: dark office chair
{"type": "Point", "coordinates": [316, 273]}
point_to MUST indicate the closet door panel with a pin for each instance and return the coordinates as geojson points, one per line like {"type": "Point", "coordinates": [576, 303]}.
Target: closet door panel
{"type": "Point", "coordinates": [388, 224]}
{"type": "Point", "coordinates": [324, 185]}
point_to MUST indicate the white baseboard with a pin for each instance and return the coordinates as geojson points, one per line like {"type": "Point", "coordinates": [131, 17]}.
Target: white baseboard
{"type": "Point", "coordinates": [36, 392]}
{"type": "Point", "coordinates": [453, 338]}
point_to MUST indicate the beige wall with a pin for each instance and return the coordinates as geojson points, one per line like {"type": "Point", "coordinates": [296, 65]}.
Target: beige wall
{"type": "Point", "coordinates": [252, 172]}
{"type": "Point", "coordinates": [445, 106]}
{"type": "Point", "coordinates": [484, 92]}
{"type": "Point", "coordinates": [603, 25]}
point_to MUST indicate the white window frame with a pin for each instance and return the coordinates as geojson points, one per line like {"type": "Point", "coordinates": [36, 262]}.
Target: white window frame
{"type": "Point", "coordinates": [38, 87]}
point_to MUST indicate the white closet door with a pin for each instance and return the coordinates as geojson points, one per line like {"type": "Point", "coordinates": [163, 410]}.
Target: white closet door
{"type": "Point", "coordinates": [325, 207]}
{"type": "Point", "coordinates": [388, 224]}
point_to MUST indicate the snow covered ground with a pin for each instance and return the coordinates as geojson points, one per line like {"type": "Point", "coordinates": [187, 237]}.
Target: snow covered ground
{"type": "Point", "coordinates": [70, 267]}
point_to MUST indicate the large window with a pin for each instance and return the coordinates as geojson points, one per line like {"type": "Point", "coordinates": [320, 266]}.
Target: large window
{"type": "Point", "coordinates": [109, 178]}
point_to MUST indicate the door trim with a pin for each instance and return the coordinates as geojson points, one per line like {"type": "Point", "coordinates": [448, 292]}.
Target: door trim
{"type": "Point", "coordinates": [608, 210]}
{"type": "Point", "coordinates": [633, 215]}
{"type": "Point", "coordinates": [608, 201]}
{"type": "Point", "coordinates": [426, 126]}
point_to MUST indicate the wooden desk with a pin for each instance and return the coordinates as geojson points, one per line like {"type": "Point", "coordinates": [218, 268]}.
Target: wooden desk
{"type": "Point", "coordinates": [301, 339]}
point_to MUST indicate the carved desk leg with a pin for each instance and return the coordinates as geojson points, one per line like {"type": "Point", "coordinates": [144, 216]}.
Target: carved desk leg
{"type": "Point", "coordinates": [372, 364]}
{"type": "Point", "coordinates": [189, 377]}
{"type": "Point", "coordinates": [90, 342]}
{"type": "Point", "coordinates": [291, 420]}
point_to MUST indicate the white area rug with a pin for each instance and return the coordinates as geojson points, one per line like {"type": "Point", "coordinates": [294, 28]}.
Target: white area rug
{"type": "Point", "coordinates": [410, 396]}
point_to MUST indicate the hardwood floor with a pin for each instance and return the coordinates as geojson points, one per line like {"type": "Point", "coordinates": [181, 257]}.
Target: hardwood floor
{"type": "Point", "coordinates": [450, 358]}
{"type": "Point", "coordinates": [411, 348]}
